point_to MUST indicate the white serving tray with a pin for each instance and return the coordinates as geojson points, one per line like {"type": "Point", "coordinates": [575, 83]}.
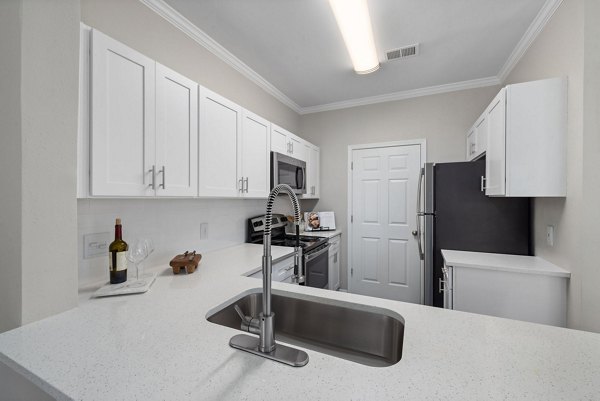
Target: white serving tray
{"type": "Point", "coordinates": [129, 287]}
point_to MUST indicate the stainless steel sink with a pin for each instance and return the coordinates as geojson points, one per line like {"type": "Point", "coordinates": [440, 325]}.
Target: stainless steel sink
{"type": "Point", "coordinates": [371, 337]}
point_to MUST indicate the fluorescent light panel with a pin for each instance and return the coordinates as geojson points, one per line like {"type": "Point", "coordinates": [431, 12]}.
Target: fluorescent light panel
{"type": "Point", "coordinates": [355, 24]}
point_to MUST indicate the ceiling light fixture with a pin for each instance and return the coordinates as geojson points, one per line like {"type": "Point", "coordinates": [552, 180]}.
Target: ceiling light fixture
{"type": "Point", "coordinates": [355, 24]}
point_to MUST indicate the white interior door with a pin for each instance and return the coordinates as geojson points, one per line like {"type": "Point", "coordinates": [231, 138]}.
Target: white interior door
{"type": "Point", "coordinates": [176, 134]}
{"type": "Point", "coordinates": [385, 258]}
{"type": "Point", "coordinates": [123, 118]}
{"type": "Point", "coordinates": [255, 156]}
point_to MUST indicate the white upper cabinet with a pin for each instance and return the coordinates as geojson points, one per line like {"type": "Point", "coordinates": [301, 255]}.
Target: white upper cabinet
{"type": "Point", "coordinates": [312, 171]}
{"type": "Point", "coordinates": [526, 140]}
{"type": "Point", "coordinates": [495, 160]}
{"type": "Point", "coordinates": [283, 141]}
{"type": "Point", "coordinates": [279, 140]}
{"type": "Point", "coordinates": [122, 119]}
{"type": "Point", "coordinates": [477, 138]}
{"type": "Point", "coordinates": [254, 156]}
{"type": "Point", "coordinates": [176, 169]}
{"type": "Point", "coordinates": [220, 128]}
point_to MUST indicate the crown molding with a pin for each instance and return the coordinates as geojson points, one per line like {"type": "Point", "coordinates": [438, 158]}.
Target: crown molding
{"type": "Point", "coordinates": [186, 26]}
{"type": "Point", "coordinates": [403, 95]}
{"type": "Point", "coordinates": [538, 24]}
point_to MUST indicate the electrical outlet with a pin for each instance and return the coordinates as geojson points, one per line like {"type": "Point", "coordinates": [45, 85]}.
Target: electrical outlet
{"type": "Point", "coordinates": [550, 235]}
{"type": "Point", "coordinates": [203, 231]}
{"type": "Point", "coordinates": [95, 245]}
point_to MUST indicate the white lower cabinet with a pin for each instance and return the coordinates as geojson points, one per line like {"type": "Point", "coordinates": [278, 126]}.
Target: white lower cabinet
{"type": "Point", "coordinates": [334, 263]}
{"type": "Point", "coordinates": [524, 288]}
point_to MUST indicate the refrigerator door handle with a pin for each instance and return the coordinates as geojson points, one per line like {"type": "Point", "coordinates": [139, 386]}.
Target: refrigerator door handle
{"type": "Point", "coordinates": [419, 233]}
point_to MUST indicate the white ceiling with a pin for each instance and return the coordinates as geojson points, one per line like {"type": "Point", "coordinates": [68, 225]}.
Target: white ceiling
{"type": "Point", "coordinates": [296, 47]}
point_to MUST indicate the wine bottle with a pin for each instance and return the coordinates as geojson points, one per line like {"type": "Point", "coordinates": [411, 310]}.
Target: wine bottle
{"type": "Point", "coordinates": [117, 252]}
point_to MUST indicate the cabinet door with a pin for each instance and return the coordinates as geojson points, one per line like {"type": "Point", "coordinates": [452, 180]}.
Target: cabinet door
{"type": "Point", "coordinates": [123, 117]}
{"type": "Point", "coordinates": [471, 144]}
{"type": "Point", "coordinates": [279, 140]}
{"type": "Point", "coordinates": [316, 162]}
{"type": "Point", "coordinates": [334, 267]}
{"type": "Point", "coordinates": [176, 134]}
{"type": "Point", "coordinates": [495, 164]}
{"type": "Point", "coordinates": [297, 148]}
{"type": "Point", "coordinates": [481, 133]}
{"type": "Point", "coordinates": [312, 171]}
{"type": "Point", "coordinates": [220, 125]}
{"type": "Point", "coordinates": [254, 157]}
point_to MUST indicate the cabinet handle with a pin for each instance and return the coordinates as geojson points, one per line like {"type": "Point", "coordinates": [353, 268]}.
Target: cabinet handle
{"type": "Point", "coordinates": [153, 172]}
{"type": "Point", "coordinates": [441, 286]}
{"type": "Point", "coordinates": [472, 147]}
{"type": "Point", "coordinates": [246, 184]}
{"type": "Point", "coordinates": [241, 181]}
{"type": "Point", "coordinates": [163, 185]}
{"type": "Point", "coordinates": [483, 181]}
{"type": "Point", "coordinates": [292, 147]}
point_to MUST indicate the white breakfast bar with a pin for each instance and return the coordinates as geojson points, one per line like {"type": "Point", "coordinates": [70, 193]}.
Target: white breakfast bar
{"type": "Point", "coordinates": [159, 346]}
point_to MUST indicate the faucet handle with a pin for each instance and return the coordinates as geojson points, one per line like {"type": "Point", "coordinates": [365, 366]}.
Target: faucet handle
{"type": "Point", "coordinates": [249, 324]}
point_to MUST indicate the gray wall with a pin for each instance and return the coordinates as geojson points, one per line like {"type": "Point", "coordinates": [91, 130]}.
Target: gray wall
{"type": "Point", "coordinates": [443, 120]}
{"type": "Point", "coordinates": [574, 30]}
{"type": "Point", "coordinates": [10, 162]}
{"type": "Point", "coordinates": [38, 273]}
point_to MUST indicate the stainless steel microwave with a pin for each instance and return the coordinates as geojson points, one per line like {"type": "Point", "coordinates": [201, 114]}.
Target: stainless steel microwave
{"type": "Point", "coordinates": [288, 170]}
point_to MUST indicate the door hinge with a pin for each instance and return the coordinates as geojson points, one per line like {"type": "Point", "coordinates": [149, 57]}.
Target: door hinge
{"type": "Point", "coordinates": [351, 165]}
{"type": "Point", "coordinates": [352, 271]}
{"type": "Point", "coordinates": [351, 218]}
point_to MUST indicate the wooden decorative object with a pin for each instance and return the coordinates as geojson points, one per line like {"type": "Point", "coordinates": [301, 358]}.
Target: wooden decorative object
{"type": "Point", "coordinates": [188, 261]}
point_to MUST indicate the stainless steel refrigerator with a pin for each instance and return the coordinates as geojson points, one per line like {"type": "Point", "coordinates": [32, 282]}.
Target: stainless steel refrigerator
{"type": "Point", "coordinates": [454, 213]}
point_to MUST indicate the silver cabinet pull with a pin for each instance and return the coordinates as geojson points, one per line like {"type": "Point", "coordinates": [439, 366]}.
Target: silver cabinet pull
{"type": "Point", "coordinates": [163, 172]}
{"type": "Point", "coordinates": [483, 181]}
{"type": "Point", "coordinates": [153, 172]}
{"type": "Point", "coordinates": [441, 285]}
{"type": "Point", "coordinates": [241, 181]}
{"type": "Point", "coordinates": [246, 184]}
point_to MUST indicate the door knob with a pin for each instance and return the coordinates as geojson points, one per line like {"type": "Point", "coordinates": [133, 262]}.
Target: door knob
{"type": "Point", "coordinates": [415, 233]}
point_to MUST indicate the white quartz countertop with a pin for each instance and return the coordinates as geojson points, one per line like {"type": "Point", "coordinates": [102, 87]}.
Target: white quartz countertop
{"type": "Point", "coordinates": [504, 262]}
{"type": "Point", "coordinates": [159, 346]}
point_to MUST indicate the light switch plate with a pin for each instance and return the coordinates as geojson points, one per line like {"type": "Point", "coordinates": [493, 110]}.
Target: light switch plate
{"type": "Point", "coordinates": [95, 245]}
{"type": "Point", "coordinates": [550, 235]}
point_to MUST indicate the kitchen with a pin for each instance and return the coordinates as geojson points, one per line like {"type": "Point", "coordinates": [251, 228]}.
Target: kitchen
{"type": "Point", "coordinates": [43, 212]}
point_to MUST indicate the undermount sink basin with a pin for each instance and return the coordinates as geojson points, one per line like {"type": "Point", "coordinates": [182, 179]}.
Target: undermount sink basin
{"type": "Point", "coordinates": [371, 337]}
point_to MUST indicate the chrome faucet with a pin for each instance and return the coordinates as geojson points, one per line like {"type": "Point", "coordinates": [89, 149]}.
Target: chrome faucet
{"type": "Point", "coordinates": [264, 325]}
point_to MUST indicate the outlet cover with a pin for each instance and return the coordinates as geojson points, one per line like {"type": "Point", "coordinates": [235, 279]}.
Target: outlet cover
{"type": "Point", "coordinates": [203, 231]}
{"type": "Point", "coordinates": [550, 235]}
{"type": "Point", "coordinates": [95, 245]}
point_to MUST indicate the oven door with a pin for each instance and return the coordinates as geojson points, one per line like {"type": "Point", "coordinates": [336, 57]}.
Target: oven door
{"type": "Point", "coordinates": [290, 171]}
{"type": "Point", "coordinates": [316, 267]}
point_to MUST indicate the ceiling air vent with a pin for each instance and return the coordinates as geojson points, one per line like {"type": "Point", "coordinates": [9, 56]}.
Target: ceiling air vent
{"type": "Point", "coordinates": [403, 52]}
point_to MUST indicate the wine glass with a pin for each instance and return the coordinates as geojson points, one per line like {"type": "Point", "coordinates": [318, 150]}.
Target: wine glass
{"type": "Point", "coordinates": [138, 252]}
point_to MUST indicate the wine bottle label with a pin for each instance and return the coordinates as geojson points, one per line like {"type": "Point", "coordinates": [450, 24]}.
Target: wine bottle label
{"type": "Point", "coordinates": [117, 261]}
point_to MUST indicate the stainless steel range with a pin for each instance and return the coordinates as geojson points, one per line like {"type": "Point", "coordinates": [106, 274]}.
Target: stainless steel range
{"type": "Point", "coordinates": [315, 260]}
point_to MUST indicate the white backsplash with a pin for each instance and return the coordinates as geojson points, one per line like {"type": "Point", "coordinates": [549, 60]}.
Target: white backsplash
{"type": "Point", "coordinates": [172, 224]}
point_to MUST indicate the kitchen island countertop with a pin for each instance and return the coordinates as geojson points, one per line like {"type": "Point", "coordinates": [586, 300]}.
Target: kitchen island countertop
{"type": "Point", "coordinates": [159, 346]}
